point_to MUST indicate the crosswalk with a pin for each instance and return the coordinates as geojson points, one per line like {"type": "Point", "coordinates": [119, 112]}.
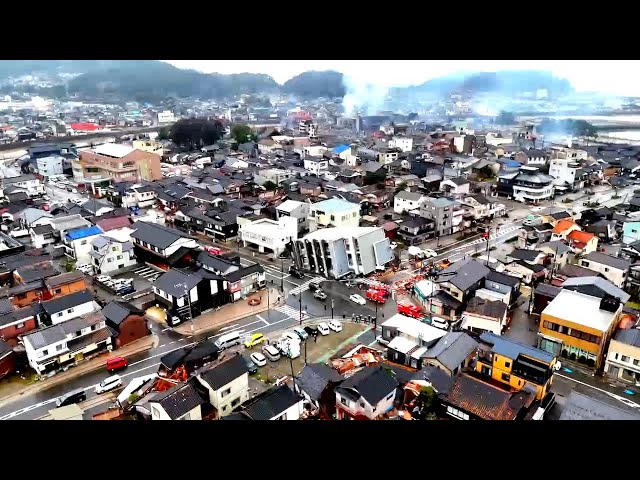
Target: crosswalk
{"type": "Point", "coordinates": [148, 273]}
{"type": "Point", "coordinates": [292, 312]}
{"type": "Point", "coordinates": [493, 236]}
{"type": "Point", "coordinates": [305, 286]}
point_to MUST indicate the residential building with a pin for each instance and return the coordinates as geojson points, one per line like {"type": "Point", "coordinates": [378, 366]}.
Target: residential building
{"type": "Point", "coordinates": [16, 322]}
{"type": "Point", "coordinates": [67, 343]}
{"type": "Point", "coordinates": [316, 165]}
{"type": "Point", "coordinates": [455, 186]}
{"type": "Point", "coordinates": [119, 163]}
{"type": "Point", "coordinates": [532, 157]}
{"type": "Point", "coordinates": [166, 116]}
{"type": "Point", "coordinates": [568, 174]}
{"type": "Point", "coordinates": [42, 235]}
{"type": "Point", "coordinates": [62, 225]}
{"type": "Point", "coordinates": [409, 339]}
{"type": "Point", "coordinates": [366, 395]}
{"type": "Point", "coordinates": [109, 255]}
{"type": "Point", "coordinates": [403, 143]}
{"type": "Point", "coordinates": [333, 213]}
{"type": "Point", "coordinates": [472, 397]}
{"type": "Point", "coordinates": [276, 403]}
{"type": "Point", "coordinates": [96, 208]}
{"type": "Point", "coordinates": [336, 252]}
{"type": "Point", "coordinates": [578, 326]}
{"type": "Point", "coordinates": [64, 284]}
{"type": "Point", "coordinates": [440, 210]}
{"type": "Point", "coordinates": [416, 230]}
{"type": "Point", "coordinates": [579, 406]}
{"type": "Point", "coordinates": [298, 210]}
{"type": "Point", "coordinates": [482, 315]}
{"type": "Point", "coordinates": [461, 279]}
{"type": "Point", "coordinates": [453, 353]}
{"type": "Point", "coordinates": [227, 383]}
{"type": "Point", "coordinates": [179, 294]}
{"type": "Point", "coordinates": [235, 281]}
{"type": "Point", "coordinates": [269, 235]}
{"type": "Point", "coordinates": [182, 402]}
{"type": "Point", "coordinates": [630, 232]}
{"type": "Point", "coordinates": [405, 201]}
{"type": "Point", "coordinates": [7, 359]}
{"type": "Point", "coordinates": [64, 308]}
{"type": "Point", "coordinates": [563, 228]}
{"type": "Point", "coordinates": [582, 242]}
{"type": "Point", "coordinates": [150, 146]}
{"type": "Point", "coordinates": [480, 207]}
{"type": "Point", "coordinates": [614, 269]}
{"type": "Point", "coordinates": [317, 383]}
{"type": "Point", "coordinates": [526, 185]}
{"type": "Point", "coordinates": [125, 322]}
{"type": "Point", "coordinates": [557, 251]}
{"type": "Point", "coordinates": [28, 183]}
{"type": "Point", "coordinates": [77, 243]}
{"type": "Point", "coordinates": [140, 196]}
{"type": "Point", "coordinates": [156, 243]}
{"type": "Point", "coordinates": [48, 166]}
{"type": "Point", "coordinates": [623, 357]}
{"type": "Point", "coordinates": [515, 364]}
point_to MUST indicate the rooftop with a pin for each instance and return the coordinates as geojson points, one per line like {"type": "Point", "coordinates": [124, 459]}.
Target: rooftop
{"type": "Point", "coordinates": [414, 328]}
{"type": "Point", "coordinates": [580, 309]}
{"type": "Point", "coordinates": [338, 233]}
{"type": "Point", "coordinates": [609, 260]}
{"type": "Point", "coordinates": [334, 205]}
{"type": "Point", "coordinates": [225, 372]}
{"type": "Point", "coordinates": [113, 150]}
{"type": "Point", "coordinates": [512, 349]}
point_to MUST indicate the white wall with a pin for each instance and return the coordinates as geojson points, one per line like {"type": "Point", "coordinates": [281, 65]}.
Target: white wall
{"type": "Point", "coordinates": [158, 413]}
{"type": "Point", "coordinates": [293, 412]}
{"type": "Point", "coordinates": [239, 390]}
{"type": "Point", "coordinates": [482, 323]}
{"type": "Point", "coordinates": [614, 275]}
{"type": "Point", "coordinates": [401, 204]}
{"type": "Point", "coordinates": [77, 311]}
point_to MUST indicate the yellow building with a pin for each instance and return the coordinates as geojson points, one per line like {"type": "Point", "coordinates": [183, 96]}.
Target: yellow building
{"type": "Point", "coordinates": [515, 364]}
{"type": "Point", "coordinates": [150, 146]}
{"type": "Point", "coordinates": [578, 326]}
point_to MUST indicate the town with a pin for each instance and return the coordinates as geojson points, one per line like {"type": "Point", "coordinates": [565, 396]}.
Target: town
{"type": "Point", "coordinates": [289, 260]}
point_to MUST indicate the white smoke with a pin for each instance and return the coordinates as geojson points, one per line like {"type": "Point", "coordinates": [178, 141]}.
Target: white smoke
{"type": "Point", "coordinates": [362, 96]}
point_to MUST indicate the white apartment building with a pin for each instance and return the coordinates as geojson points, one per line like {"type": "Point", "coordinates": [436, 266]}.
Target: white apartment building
{"type": "Point", "coordinates": [48, 166]}
{"type": "Point", "coordinates": [109, 255]}
{"type": "Point", "coordinates": [334, 213]}
{"type": "Point", "coordinates": [316, 165]}
{"type": "Point", "coordinates": [294, 209]}
{"type": "Point", "coordinates": [140, 196]}
{"type": "Point", "coordinates": [405, 201]}
{"type": "Point", "coordinates": [166, 116]}
{"type": "Point", "coordinates": [403, 143]}
{"type": "Point", "coordinates": [269, 235]}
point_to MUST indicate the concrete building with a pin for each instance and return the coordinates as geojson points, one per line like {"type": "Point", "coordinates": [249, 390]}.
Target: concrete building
{"type": "Point", "coordinates": [405, 201]}
{"type": "Point", "coordinates": [336, 252]}
{"type": "Point", "coordinates": [119, 163]}
{"type": "Point", "coordinates": [316, 165]}
{"type": "Point", "coordinates": [298, 210]}
{"type": "Point", "coordinates": [109, 255]}
{"type": "Point", "coordinates": [334, 213]}
{"type": "Point", "coordinates": [150, 146]}
{"type": "Point", "coordinates": [440, 210]}
{"type": "Point", "coordinates": [403, 143]}
{"type": "Point", "coordinates": [269, 235]}
{"type": "Point", "coordinates": [48, 166]}
{"type": "Point", "coordinates": [612, 268]}
{"type": "Point", "coordinates": [77, 243]}
{"type": "Point", "coordinates": [623, 358]}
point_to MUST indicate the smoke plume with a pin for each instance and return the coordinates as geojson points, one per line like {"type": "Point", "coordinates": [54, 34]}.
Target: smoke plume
{"type": "Point", "coordinates": [362, 96]}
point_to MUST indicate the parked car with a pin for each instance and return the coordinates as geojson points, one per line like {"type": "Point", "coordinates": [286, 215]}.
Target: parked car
{"type": "Point", "coordinates": [323, 329]}
{"type": "Point", "coordinates": [320, 295]}
{"type": "Point", "coordinates": [109, 384]}
{"type": "Point", "coordinates": [355, 298]}
{"type": "Point", "coordinates": [116, 363]}
{"type": "Point", "coordinates": [440, 323]}
{"type": "Point", "coordinates": [254, 340]}
{"type": "Point", "coordinates": [103, 278]}
{"type": "Point", "coordinates": [335, 325]}
{"type": "Point", "coordinates": [251, 365]}
{"type": "Point", "coordinates": [311, 330]}
{"type": "Point", "coordinates": [259, 359]}
{"type": "Point", "coordinates": [294, 272]}
{"type": "Point", "coordinates": [76, 396]}
{"type": "Point", "coordinates": [271, 352]}
{"type": "Point", "coordinates": [429, 253]}
{"type": "Point", "coordinates": [301, 333]}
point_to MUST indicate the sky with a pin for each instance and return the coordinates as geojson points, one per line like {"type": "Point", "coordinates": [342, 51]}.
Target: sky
{"type": "Point", "coordinates": [616, 77]}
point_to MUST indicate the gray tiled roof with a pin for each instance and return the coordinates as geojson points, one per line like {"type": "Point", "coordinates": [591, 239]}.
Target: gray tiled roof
{"type": "Point", "coordinates": [609, 260]}
{"type": "Point", "coordinates": [467, 272]}
{"type": "Point", "coordinates": [225, 372]}
{"type": "Point", "coordinates": [173, 282]}
{"type": "Point", "coordinates": [630, 336]}
{"type": "Point", "coordinates": [452, 349]}
{"type": "Point", "coordinates": [372, 383]}
{"type": "Point", "coordinates": [271, 403]}
{"type": "Point", "coordinates": [582, 284]}
{"type": "Point", "coordinates": [315, 377]}
{"type": "Point", "coordinates": [156, 235]}
{"type": "Point", "coordinates": [179, 400]}
{"type": "Point", "coordinates": [68, 301]}
{"type": "Point", "coordinates": [511, 349]}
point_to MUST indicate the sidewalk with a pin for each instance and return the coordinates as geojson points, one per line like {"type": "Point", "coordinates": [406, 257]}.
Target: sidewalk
{"type": "Point", "coordinates": [15, 390]}
{"type": "Point", "coordinates": [232, 312]}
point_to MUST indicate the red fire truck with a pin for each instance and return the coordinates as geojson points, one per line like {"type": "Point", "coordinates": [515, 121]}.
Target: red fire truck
{"type": "Point", "coordinates": [409, 310]}
{"type": "Point", "coordinates": [378, 296]}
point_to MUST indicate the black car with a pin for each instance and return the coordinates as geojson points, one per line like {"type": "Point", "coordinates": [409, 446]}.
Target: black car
{"type": "Point", "coordinates": [294, 272]}
{"type": "Point", "coordinates": [314, 286]}
{"type": "Point", "coordinates": [311, 330]}
{"type": "Point", "coordinates": [70, 398]}
{"type": "Point", "coordinates": [251, 366]}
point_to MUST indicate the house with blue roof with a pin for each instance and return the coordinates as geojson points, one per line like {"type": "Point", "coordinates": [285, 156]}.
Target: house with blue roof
{"type": "Point", "coordinates": [77, 243]}
{"type": "Point", "coordinates": [345, 152]}
{"type": "Point", "coordinates": [334, 212]}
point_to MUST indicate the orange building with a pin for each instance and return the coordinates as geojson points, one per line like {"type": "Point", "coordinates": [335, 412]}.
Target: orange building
{"type": "Point", "coordinates": [119, 163]}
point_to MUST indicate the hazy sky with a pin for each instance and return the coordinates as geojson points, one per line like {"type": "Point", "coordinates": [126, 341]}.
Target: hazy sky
{"type": "Point", "coordinates": [621, 77]}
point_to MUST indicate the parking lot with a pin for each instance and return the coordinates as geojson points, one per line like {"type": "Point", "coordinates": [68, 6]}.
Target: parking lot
{"type": "Point", "coordinates": [316, 351]}
{"type": "Point", "coordinates": [147, 273]}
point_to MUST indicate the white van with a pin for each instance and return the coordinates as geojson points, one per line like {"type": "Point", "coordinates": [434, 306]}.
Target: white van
{"type": "Point", "coordinates": [271, 353]}
{"type": "Point", "coordinates": [228, 340]}
{"type": "Point", "coordinates": [109, 384]}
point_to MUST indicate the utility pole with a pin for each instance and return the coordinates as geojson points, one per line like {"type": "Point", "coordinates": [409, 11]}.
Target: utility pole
{"type": "Point", "coordinates": [189, 303]}
{"type": "Point", "coordinates": [332, 306]}
{"type": "Point", "coordinates": [282, 274]}
{"type": "Point", "coordinates": [293, 378]}
{"type": "Point", "coordinates": [300, 301]}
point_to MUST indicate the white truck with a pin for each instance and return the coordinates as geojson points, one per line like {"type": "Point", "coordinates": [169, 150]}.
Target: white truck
{"type": "Point", "coordinates": [288, 347]}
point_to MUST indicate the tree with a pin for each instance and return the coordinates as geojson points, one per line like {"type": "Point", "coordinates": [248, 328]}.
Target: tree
{"type": "Point", "coordinates": [269, 186]}
{"type": "Point", "coordinates": [505, 118]}
{"type": "Point", "coordinates": [196, 132]}
{"type": "Point", "coordinates": [242, 134]}
{"type": "Point", "coordinates": [401, 186]}
{"type": "Point", "coordinates": [164, 133]}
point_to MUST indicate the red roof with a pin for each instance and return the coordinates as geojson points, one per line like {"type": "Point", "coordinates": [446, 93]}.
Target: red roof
{"type": "Point", "coordinates": [113, 223]}
{"type": "Point", "coordinates": [580, 237]}
{"type": "Point", "coordinates": [85, 126]}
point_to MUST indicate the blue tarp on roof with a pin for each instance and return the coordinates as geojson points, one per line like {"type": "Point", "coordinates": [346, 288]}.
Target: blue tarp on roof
{"type": "Point", "coordinates": [83, 232]}
{"type": "Point", "coordinates": [513, 163]}
{"type": "Point", "coordinates": [340, 148]}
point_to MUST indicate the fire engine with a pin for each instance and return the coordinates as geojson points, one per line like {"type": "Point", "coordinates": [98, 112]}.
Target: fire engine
{"type": "Point", "coordinates": [213, 250]}
{"type": "Point", "coordinates": [410, 310]}
{"type": "Point", "coordinates": [374, 295]}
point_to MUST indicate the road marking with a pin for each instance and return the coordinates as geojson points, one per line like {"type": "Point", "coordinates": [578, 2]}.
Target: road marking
{"type": "Point", "coordinates": [165, 329]}
{"type": "Point", "coordinates": [261, 318]}
{"type": "Point", "coordinates": [229, 326]}
{"type": "Point", "coordinates": [613, 395]}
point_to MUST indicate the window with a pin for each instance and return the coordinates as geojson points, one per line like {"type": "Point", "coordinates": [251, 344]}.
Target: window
{"type": "Point", "coordinates": [506, 377]}
{"type": "Point", "coordinates": [155, 412]}
{"type": "Point", "coordinates": [624, 359]}
{"type": "Point", "coordinates": [344, 401]}
{"type": "Point", "coordinates": [235, 402]}
{"type": "Point", "coordinates": [59, 314]}
{"type": "Point", "coordinates": [44, 352]}
{"type": "Point", "coordinates": [225, 392]}
{"type": "Point", "coordinates": [20, 325]}
{"type": "Point", "coordinates": [109, 260]}
{"type": "Point", "coordinates": [636, 362]}
{"type": "Point", "coordinates": [57, 291]}
{"type": "Point", "coordinates": [454, 412]}
{"type": "Point", "coordinates": [70, 310]}
{"type": "Point", "coordinates": [390, 396]}
{"type": "Point", "coordinates": [606, 269]}
{"type": "Point", "coordinates": [119, 257]}
{"type": "Point", "coordinates": [507, 364]}
{"type": "Point", "coordinates": [59, 347]}
{"type": "Point", "coordinates": [114, 249]}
